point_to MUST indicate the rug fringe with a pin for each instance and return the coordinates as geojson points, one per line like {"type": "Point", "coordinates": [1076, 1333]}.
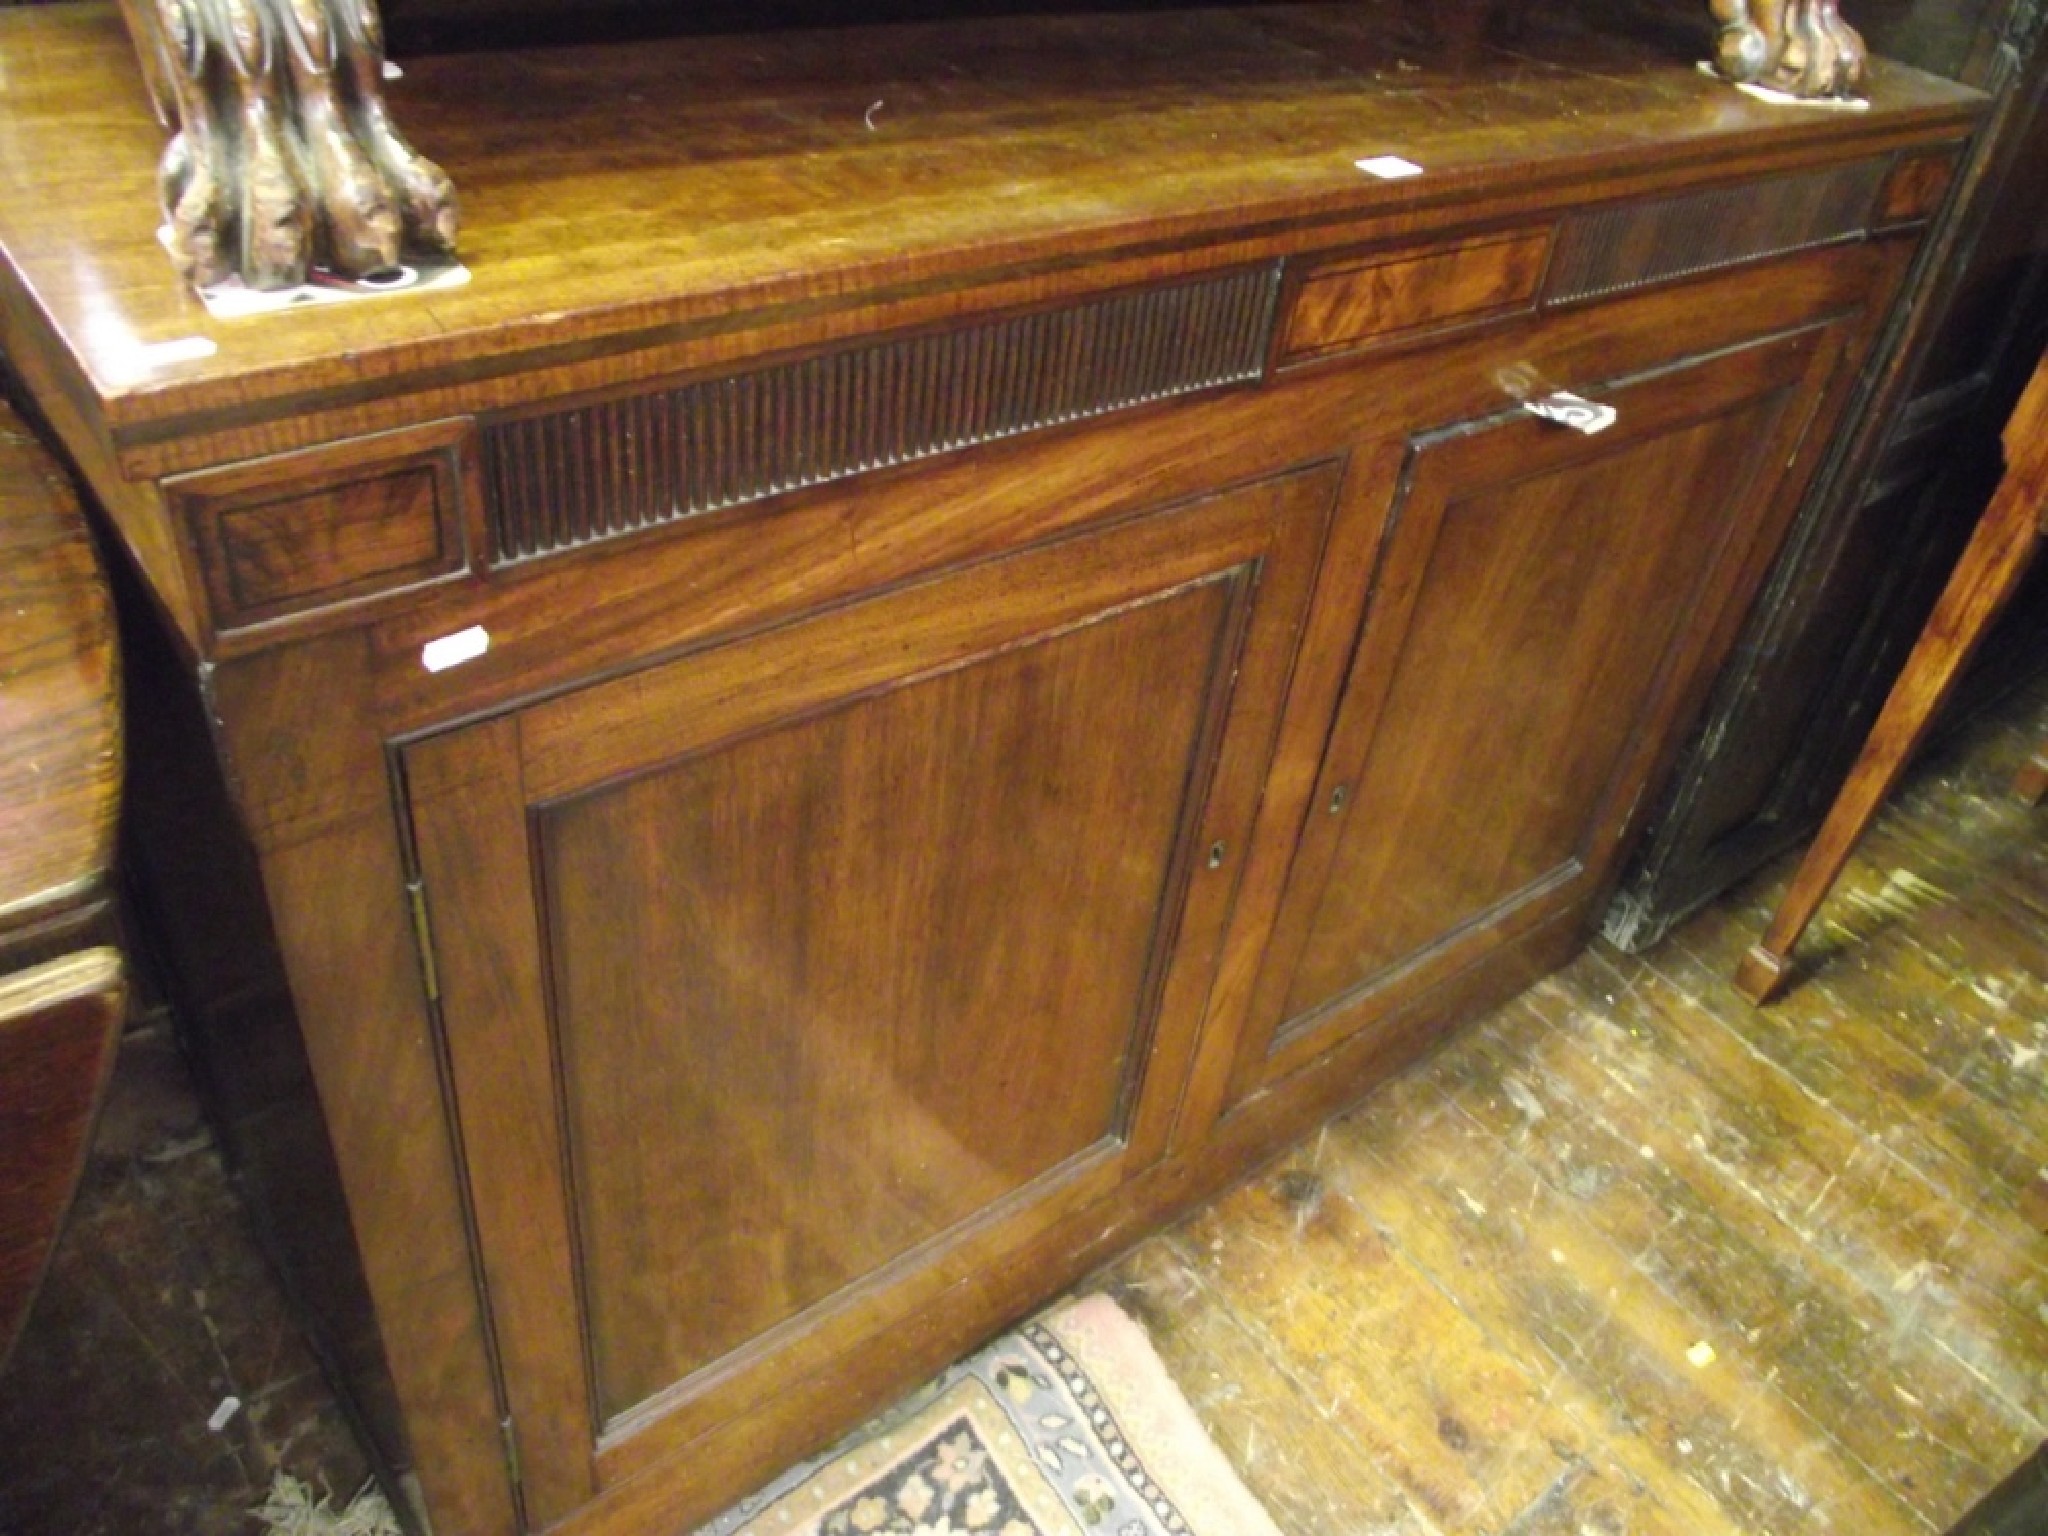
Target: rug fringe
{"type": "Point", "coordinates": [291, 1510]}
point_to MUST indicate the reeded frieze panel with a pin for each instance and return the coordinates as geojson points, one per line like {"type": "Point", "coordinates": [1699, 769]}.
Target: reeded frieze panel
{"type": "Point", "coordinates": [570, 477]}
{"type": "Point", "coordinates": [1607, 250]}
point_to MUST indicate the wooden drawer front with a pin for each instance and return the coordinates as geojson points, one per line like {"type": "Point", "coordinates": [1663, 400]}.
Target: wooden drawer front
{"type": "Point", "coordinates": [1608, 250]}
{"type": "Point", "coordinates": [1349, 302]}
{"type": "Point", "coordinates": [289, 536]}
{"type": "Point", "coordinates": [1916, 187]}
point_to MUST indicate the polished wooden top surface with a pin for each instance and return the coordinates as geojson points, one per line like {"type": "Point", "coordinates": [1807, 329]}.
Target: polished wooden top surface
{"type": "Point", "coordinates": [60, 724]}
{"type": "Point", "coordinates": [623, 195]}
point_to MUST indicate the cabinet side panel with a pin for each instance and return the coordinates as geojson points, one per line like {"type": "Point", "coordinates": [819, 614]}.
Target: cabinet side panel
{"type": "Point", "coordinates": [193, 876]}
{"type": "Point", "coordinates": [312, 787]}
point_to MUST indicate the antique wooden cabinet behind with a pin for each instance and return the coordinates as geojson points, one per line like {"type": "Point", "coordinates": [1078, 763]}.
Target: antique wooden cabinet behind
{"type": "Point", "coordinates": [960, 631]}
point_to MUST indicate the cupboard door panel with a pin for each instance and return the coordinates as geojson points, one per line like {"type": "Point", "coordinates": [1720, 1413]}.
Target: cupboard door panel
{"type": "Point", "coordinates": [789, 981]}
{"type": "Point", "coordinates": [849, 1044]}
{"type": "Point", "coordinates": [1541, 601]}
{"type": "Point", "coordinates": [1556, 579]}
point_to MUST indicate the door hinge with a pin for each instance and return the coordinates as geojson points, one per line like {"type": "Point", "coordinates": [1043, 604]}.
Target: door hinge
{"type": "Point", "coordinates": [511, 1448]}
{"type": "Point", "coordinates": [423, 937]}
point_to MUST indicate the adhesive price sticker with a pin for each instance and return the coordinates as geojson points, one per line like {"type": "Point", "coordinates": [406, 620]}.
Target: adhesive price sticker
{"type": "Point", "coordinates": [1389, 167]}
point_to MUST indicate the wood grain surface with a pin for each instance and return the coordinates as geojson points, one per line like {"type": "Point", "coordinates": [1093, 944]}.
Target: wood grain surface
{"type": "Point", "coordinates": [332, 526]}
{"type": "Point", "coordinates": [837, 990]}
{"type": "Point", "coordinates": [1346, 303]}
{"type": "Point", "coordinates": [1520, 555]}
{"type": "Point", "coordinates": [644, 193]}
{"type": "Point", "coordinates": [60, 719]}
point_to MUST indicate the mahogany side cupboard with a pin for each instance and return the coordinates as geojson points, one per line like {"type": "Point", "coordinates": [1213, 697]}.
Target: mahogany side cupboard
{"type": "Point", "coordinates": [961, 631]}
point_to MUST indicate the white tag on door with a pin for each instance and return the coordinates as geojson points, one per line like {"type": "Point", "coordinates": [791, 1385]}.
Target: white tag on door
{"type": "Point", "coordinates": [1574, 411]}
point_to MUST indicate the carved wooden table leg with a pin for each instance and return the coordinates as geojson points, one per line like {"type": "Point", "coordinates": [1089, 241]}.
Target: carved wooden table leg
{"type": "Point", "coordinates": [284, 155]}
{"type": "Point", "coordinates": [1991, 566]}
{"type": "Point", "coordinates": [1801, 47]}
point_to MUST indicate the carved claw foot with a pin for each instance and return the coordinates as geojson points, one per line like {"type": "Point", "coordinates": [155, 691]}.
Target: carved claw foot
{"type": "Point", "coordinates": [284, 155]}
{"type": "Point", "coordinates": [1802, 47]}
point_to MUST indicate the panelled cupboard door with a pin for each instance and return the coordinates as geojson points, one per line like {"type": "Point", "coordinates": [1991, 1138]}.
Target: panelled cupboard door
{"type": "Point", "coordinates": [1536, 618]}
{"type": "Point", "coordinates": [788, 981]}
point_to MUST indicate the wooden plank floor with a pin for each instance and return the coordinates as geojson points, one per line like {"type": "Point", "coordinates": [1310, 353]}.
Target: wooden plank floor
{"type": "Point", "coordinates": [1630, 1256]}
{"type": "Point", "coordinates": [158, 1308]}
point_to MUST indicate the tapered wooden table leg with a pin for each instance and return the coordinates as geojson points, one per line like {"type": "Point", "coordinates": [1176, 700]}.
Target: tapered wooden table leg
{"type": "Point", "coordinates": [1991, 567]}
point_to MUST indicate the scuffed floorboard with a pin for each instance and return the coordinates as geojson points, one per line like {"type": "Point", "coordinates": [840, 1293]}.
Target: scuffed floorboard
{"type": "Point", "coordinates": [157, 1309]}
{"type": "Point", "coordinates": [1631, 1256]}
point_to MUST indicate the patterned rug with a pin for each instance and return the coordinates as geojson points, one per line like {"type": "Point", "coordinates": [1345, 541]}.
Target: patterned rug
{"type": "Point", "coordinates": [1068, 1427]}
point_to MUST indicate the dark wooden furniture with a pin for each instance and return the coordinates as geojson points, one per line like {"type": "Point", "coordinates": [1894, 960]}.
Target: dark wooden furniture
{"type": "Point", "coordinates": [959, 635]}
{"type": "Point", "coordinates": [60, 768]}
{"type": "Point", "coordinates": [1914, 464]}
{"type": "Point", "coordinates": [1997, 558]}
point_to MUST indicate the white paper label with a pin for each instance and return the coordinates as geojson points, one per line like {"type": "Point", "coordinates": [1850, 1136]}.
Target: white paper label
{"type": "Point", "coordinates": [1785, 98]}
{"type": "Point", "coordinates": [186, 349]}
{"type": "Point", "coordinates": [453, 650]}
{"type": "Point", "coordinates": [1574, 411]}
{"type": "Point", "coordinates": [230, 299]}
{"type": "Point", "coordinates": [1389, 167]}
{"type": "Point", "coordinates": [128, 358]}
